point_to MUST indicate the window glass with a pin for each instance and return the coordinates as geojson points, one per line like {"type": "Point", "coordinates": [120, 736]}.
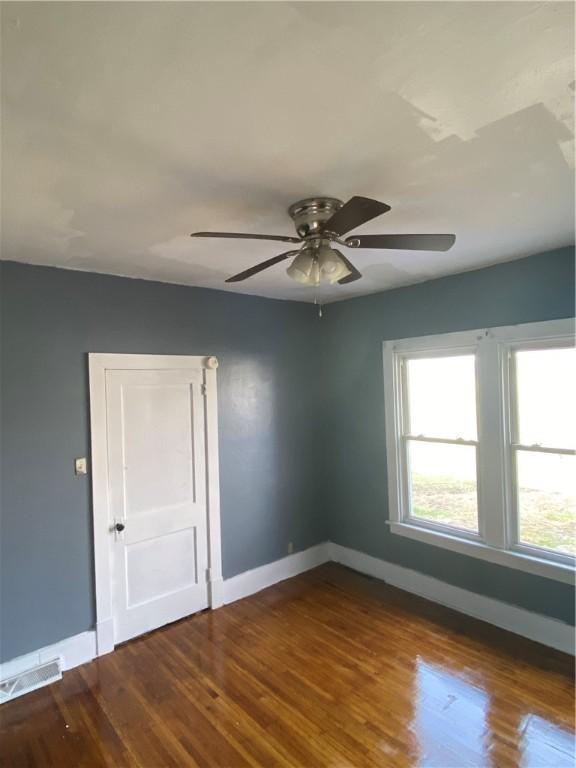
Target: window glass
{"type": "Point", "coordinates": [442, 396]}
{"type": "Point", "coordinates": [546, 392]}
{"type": "Point", "coordinates": [547, 500]}
{"type": "Point", "coordinates": [546, 416]}
{"type": "Point", "coordinates": [443, 483]}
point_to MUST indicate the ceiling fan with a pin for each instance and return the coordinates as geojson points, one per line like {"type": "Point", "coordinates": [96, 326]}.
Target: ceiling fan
{"type": "Point", "coordinates": [322, 221]}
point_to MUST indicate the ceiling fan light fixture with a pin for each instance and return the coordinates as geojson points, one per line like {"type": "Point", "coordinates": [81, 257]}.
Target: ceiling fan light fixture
{"type": "Point", "coordinates": [327, 259]}
{"type": "Point", "coordinates": [332, 267]}
{"type": "Point", "coordinates": [316, 263]}
{"type": "Point", "coordinates": [342, 272]}
{"type": "Point", "coordinates": [305, 268]}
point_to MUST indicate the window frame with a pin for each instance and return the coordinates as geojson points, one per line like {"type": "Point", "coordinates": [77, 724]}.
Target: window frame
{"type": "Point", "coordinates": [514, 446]}
{"type": "Point", "coordinates": [497, 539]}
{"type": "Point", "coordinates": [406, 437]}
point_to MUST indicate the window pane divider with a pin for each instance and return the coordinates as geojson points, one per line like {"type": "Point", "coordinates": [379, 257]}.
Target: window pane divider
{"type": "Point", "coordinates": [536, 448]}
{"type": "Point", "coordinates": [492, 461]}
{"type": "Point", "coordinates": [446, 440]}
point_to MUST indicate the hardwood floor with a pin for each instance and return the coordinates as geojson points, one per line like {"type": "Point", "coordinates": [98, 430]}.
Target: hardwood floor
{"type": "Point", "coordinates": [328, 669]}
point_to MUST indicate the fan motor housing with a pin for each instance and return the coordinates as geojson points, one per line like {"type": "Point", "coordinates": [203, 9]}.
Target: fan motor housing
{"type": "Point", "coordinates": [310, 214]}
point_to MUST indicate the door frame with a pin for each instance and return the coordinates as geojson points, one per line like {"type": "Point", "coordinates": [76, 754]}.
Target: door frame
{"type": "Point", "coordinates": [98, 364]}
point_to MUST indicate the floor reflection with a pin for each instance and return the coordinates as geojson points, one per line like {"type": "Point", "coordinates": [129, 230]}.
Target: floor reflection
{"type": "Point", "coordinates": [449, 719]}
{"type": "Point", "coordinates": [546, 744]}
{"type": "Point", "coordinates": [457, 723]}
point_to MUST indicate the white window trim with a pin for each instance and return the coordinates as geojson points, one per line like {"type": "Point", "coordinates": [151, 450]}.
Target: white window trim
{"type": "Point", "coordinates": [496, 497]}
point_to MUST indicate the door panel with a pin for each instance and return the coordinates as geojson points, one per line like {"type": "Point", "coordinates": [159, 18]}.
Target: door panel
{"type": "Point", "coordinates": [157, 491]}
{"type": "Point", "coordinates": [159, 469]}
{"type": "Point", "coordinates": [147, 576]}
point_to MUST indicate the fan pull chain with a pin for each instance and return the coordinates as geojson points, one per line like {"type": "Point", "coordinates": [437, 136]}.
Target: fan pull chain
{"type": "Point", "coordinates": [318, 305]}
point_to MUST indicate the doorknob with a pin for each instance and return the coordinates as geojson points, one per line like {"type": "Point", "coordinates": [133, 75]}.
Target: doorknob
{"type": "Point", "coordinates": [119, 527]}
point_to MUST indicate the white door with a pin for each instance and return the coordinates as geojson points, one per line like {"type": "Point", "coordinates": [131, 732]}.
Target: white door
{"type": "Point", "coordinates": [157, 497]}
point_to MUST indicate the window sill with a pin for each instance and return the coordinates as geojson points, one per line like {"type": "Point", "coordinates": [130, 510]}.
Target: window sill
{"type": "Point", "coordinates": [508, 558]}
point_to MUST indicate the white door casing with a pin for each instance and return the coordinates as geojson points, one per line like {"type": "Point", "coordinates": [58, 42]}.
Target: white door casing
{"type": "Point", "coordinates": [155, 472]}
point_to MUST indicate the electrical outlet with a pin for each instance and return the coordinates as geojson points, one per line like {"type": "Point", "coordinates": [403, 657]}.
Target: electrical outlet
{"type": "Point", "coordinates": [80, 467]}
{"type": "Point", "coordinates": [290, 547]}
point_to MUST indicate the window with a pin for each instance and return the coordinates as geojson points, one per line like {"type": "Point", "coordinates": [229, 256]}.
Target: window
{"type": "Point", "coordinates": [481, 443]}
{"type": "Point", "coordinates": [543, 443]}
{"type": "Point", "coordinates": [441, 440]}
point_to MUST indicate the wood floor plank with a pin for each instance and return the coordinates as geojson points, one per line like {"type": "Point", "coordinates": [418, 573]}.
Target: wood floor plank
{"type": "Point", "coordinates": [330, 668]}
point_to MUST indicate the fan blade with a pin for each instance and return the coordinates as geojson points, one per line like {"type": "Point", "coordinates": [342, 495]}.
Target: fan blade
{"type": "Point", "coordinates": [358, 210]}
{"type": "Point", "coordinates": [241, 236]}
{"type": "Point", "coordinates": [260, 267]}
{"type": "Point", "coordinates": [403, 242]}
{"type": "Point", "coordinates": [355, 274]}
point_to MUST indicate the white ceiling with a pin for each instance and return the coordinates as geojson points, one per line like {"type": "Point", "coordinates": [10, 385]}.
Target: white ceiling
{"type": "Point", "coordinates": [129, 125]}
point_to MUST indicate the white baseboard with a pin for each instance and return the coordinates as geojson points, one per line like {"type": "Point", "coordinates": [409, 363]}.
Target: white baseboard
{"type": "Point", "coordinates": [551, 632]}
{"type": "Point", "coordinates": [216, 592]}
{"type": "Point", "coordinates": [104, 637]}
{"type": "Point", "coordinates": [84, 647]}
{"type": "Point", "coordinates": [249, 582]}
{"type": "Point", "coordinates": [73, 651]}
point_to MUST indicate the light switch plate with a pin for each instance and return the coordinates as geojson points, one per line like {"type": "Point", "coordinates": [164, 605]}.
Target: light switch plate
{"type": "Point", "coordinates": [80, 466]}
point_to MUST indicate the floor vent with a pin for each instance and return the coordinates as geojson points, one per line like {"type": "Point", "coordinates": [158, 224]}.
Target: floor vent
{"type": "Point", "coordinates": [27, 681]}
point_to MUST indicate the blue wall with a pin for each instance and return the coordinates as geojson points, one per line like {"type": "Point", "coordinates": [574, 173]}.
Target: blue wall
{"type": "Point", "coordinates": [540, 287]}
{"type": "Point", "coordinates": [51, 319]}
{"type": "Point", "coordinates": [301, 419]}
